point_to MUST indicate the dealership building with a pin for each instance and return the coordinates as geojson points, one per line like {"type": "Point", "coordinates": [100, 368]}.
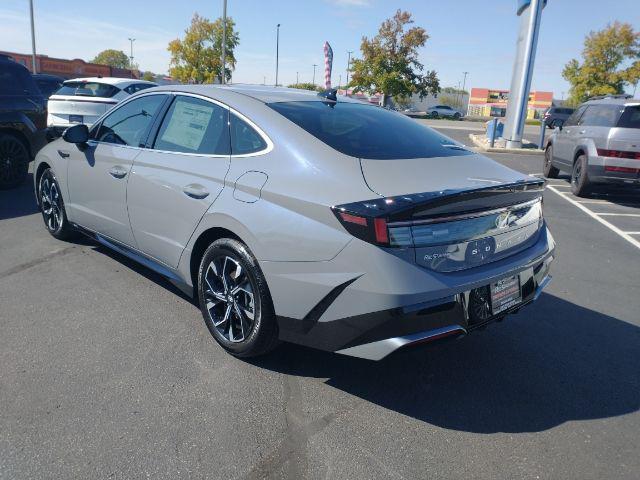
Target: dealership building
{"type": "Point", "coordinates": [70, 68]}
{"type": "Point", "coordinates": [485, 102]}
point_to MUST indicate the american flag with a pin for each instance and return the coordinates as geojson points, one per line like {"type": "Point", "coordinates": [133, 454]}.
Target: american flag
{"type": "Point", "coordinates": [328, 63]}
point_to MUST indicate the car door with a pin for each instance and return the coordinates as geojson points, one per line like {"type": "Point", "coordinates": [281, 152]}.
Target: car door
{"type": "Point", "coordinates": [564, 141]}
{"type": "Point", "coordinates": [98, 173]}
{"type": "Point", "coordinates": [174, 182]}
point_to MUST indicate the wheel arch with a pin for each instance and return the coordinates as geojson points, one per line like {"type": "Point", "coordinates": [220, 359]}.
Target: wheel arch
{"type": "Point", "coordinates": [579, 151]}
{"type": "Point", "coordinates": [205, 239]}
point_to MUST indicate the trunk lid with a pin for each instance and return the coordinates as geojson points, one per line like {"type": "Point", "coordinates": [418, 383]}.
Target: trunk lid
{"type": "Point", "coordinates": [390, 178]}
{"type": "Point", "coordinates": [60, 107]}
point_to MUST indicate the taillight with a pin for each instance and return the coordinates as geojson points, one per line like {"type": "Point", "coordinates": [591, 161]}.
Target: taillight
{"type": "Point", "coordinates": [620, 169]}
{"type": "Point", "coordinates": [370, 229]}
{"type": "Point", "coordinates": [618, 154]}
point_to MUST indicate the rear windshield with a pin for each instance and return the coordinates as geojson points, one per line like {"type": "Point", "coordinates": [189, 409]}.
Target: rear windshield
{"type": "Point", "coordinates": [367, 131]}
{"type": "Point", "coordinates": [630, 117]}
{"type": "Point", "coordinates": [88, 89]}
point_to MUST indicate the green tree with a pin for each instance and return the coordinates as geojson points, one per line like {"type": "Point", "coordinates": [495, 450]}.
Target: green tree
{"type": "Point", "coordinates": [610, 60]}
{"type": "Point", "coordinates": [113, 58]}
{"type": "Point", "coordinates": [389, 63]}
{"type": "Point", "coordinates": [305, 86]}
{"type": "Point", "coordinates": [197, 57]}
{"type": "Point", "coordinates": [149, 76]}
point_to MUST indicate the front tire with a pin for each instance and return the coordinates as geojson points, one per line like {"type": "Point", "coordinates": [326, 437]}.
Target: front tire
{"type": "Point", "coordinates": [456, 116]}
{"type": "Point", "coordinates": [14, 161]}
{"type": "Point", "coordinates": [52, 207]}
{"type": "Point", "coordinates": [235, 300]}
{"type": "Point", "coordinates": [548, 169]}
{"type": "Point", "coordinates": [580, 183]}
{"type": "Point", "coordinates": [434, 115]}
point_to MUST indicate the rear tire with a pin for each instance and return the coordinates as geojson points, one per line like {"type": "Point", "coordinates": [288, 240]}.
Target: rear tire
{"type": "Point", "coordinates": [235, 301]}
{"type": "Point", "coordinates": [548, 169]}
{"type": "Point", "coordinates": [580, 184]}
{"type": "Point", "coordinates": [456, 116]}
{"type": "Point", "coordinates": [14, 161]}
{"type": "Point", "coordinates": [52, 207]}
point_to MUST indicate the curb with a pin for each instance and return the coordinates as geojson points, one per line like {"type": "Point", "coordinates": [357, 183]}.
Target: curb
{"type": "Point", "coordinates": [521, 151]}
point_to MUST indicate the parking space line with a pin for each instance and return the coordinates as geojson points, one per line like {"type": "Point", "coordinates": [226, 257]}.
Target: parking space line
{"type": "Point", "coordinates": [617, 214]}
{"type": "Point", "coordinates": [610, 226]}
{"type": "Point", "coordinates": [632, 233]}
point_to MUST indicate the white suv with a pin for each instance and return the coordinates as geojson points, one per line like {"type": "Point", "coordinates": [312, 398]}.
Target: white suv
{"type": "Point", "coordinates": [83, 100]}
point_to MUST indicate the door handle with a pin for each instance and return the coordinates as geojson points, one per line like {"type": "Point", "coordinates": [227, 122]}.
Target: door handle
{"type": "Point", "coordinates": [117, 172]}
{"type": "Point", "coordinates": [194, 190]}
{"type": "Point", "coordinates": [63, 154]}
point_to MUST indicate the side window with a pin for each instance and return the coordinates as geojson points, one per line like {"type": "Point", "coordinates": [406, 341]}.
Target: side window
{"type": "Point", "coordinates": [575, 116]}
{"type": "Point", "coordinates": [129, 124]}
{"type": "Point", "coordinates": [244, 139]}
{"type": "Point", "coordinates": [136, 87]}
{"type": "Point", "coordinates": [192, 125]}
{"type": "Point", "coordinates": [601, 115]}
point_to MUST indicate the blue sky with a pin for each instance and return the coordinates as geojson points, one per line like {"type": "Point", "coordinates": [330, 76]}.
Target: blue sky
{"type": "Point", "coordinates": [465, 35]}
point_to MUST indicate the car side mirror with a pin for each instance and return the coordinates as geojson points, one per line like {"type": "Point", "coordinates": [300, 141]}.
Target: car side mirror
{"type": "Point", "coordinates": [78, 134]}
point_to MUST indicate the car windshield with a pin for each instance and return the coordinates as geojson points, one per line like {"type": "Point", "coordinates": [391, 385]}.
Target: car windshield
{"type": "Point", "coordinates": [88, 89]}
{"type": "Point", "coordinates": [367, 131]}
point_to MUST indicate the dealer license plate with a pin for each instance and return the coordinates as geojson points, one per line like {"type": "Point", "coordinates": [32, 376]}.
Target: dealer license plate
{"type": "Point", "coordinates": [505, 294]}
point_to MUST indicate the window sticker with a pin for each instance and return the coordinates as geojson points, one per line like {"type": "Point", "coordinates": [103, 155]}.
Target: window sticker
{"type": "Point", "coordinates": [188, 124]}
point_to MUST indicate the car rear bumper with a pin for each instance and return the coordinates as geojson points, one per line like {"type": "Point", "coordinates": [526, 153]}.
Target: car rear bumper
{"type": "Point", "coordinates": [602, 170]}
{"type": "Point", "coordinates": [371, 315]}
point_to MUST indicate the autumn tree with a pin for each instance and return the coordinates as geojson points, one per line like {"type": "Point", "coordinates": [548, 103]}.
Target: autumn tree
{"type": "Point", "coordinates": [197, 57]}
{"type": "Point", "coordinates": [610, 60]}
{"type": "Point", "coordinates": [389, 63]}
{"type": "Point", "coordinates": [113, 58]}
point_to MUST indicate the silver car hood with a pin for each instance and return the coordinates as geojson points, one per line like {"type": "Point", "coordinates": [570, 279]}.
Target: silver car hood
{"type": "Point", "coordinates": [390, 178]}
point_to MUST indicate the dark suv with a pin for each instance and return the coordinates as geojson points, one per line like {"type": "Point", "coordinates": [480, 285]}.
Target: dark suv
{"type": "Point", "coordinates": [23, 118]}
{"type": "Point", "coordinates": [556, 116]}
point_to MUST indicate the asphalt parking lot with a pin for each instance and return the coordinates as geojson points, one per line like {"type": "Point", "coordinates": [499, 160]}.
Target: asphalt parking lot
{"type": "Point", "coordinates": [107, 371]}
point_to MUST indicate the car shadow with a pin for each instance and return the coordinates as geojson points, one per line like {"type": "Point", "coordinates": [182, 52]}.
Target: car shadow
{"type": "Point", "coordinates": [623, 195]}
{"type": "Point", "coordinates": [552, 363]}
{"type": "Point", "coordinates": [19, 201]}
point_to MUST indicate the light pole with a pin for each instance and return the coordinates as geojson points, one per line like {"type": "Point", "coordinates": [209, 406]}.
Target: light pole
{"type": "Point", "coordinates": [264, 79]}
{"type": "Point", "coordinates": [277, 50]}
{"type": "Point", "coordinates": [464, 83]}
{"type": "Point", "coordinates": [297, 78]}
{"type": "Point", "coordinates": [349, 52]}
{"type": "Point", "coordinates": [340, 80]}
{"type": "Point", "coordinates": [223, 75]}
{"type": "Point", "coordinates": [33, 38]}
{"type": "Point", "coordinates": [314, 74]}
{"type": "Point", "coordinates": [131, 40]}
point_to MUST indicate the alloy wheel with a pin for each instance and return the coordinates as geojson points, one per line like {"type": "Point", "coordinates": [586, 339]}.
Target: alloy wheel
{"type": "Point", "coordinates": [229, 298]}
{"type": "Point", "coordinates": [51, 203]}
{"type": "Point", "coordinates": [577, 173]}
{"type": "Point", "coordinates": [12, 156]}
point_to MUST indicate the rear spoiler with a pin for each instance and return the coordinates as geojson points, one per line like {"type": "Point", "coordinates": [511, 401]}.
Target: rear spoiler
{"type": "Point", "coordinates": [428, 205]}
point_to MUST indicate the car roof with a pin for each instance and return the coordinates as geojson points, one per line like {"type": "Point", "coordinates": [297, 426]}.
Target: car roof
{"type": "Point", "coordinates": [613, 101]}
{"type": "Point", "coordinates": [262, 93]}
{"type": "Point", "coordinates": [109, 80]}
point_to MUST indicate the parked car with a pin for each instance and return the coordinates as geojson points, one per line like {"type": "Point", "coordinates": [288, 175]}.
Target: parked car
{"type": "Point", "coordinates": [598, 144]}
{"type": "Point", "coordinates": [443, 111]}
{"type": "Point", "coordinates": [22, 122]}
{"type": "Point", "coordinates": [83, 100]}
{"type": "Point", "coordinates": [48, 84]}
{"type": "Point", "coordinates": [556, 116]}
{"type": "Point", "coordinates": [302, 217]}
